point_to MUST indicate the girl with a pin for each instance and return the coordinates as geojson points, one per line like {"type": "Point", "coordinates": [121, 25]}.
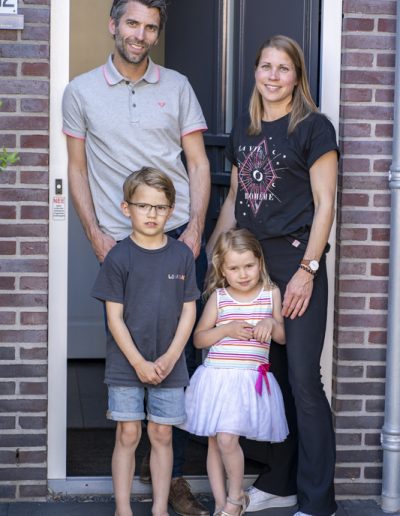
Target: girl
{"type": "Point", "coordinates": [232, 394]}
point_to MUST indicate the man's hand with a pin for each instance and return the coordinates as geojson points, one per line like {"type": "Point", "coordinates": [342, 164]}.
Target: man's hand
{"type": "Point", "coordinates": [147, 373]}
{"type": "Point", "coordinates": [297, 295]}
{"type": "Point", "coordinates": [192, 238]}
{"type": "Point", "coordinates": [101, 244]}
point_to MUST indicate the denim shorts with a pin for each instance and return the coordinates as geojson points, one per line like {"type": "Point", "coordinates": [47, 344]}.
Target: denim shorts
{"type": "Point", "coordinates": [165, 406]}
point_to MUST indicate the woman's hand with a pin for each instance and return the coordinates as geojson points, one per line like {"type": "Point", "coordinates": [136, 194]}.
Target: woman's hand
{"type": "Point", "coordinates": [298, 294]}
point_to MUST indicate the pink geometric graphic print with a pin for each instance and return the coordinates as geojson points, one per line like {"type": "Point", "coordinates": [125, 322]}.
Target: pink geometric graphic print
{"type": "Point", "coordinates": [257, 175]}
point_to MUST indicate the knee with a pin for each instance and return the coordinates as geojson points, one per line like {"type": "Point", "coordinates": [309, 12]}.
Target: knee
{"type": "Point", "coordinates": [159, 434]}
{"type": "Point", "coordinates": [128, 433]}
{"type": "Point", "coordinates": [227, 442]}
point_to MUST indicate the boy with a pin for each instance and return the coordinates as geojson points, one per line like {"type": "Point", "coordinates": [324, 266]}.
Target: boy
{"type": "Point", "coordinates": [149, 286]}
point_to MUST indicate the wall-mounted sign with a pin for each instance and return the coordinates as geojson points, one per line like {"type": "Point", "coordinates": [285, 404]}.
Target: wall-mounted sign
{"type": "Point", "coordinates": [8, 6]}
{"type": "Point", "coordinates": [9, 19]}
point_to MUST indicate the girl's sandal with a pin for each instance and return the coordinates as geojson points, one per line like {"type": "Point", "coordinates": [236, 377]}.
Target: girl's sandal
{"type": "Point", "coordinates": [243, 503]}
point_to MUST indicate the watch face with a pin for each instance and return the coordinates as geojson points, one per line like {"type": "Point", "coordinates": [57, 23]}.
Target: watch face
{"type": "Point", "coordinates": [314, 265]}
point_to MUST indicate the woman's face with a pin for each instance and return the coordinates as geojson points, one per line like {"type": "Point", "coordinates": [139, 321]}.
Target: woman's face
{"type": "Point", "coordinates": [275, 78]}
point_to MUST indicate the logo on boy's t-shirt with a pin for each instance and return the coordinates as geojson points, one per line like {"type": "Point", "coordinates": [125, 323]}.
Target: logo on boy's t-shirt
{"type": "Point", "coordinates": [257, 175]}
{"type": "Point", "coordinates": [177, 276]}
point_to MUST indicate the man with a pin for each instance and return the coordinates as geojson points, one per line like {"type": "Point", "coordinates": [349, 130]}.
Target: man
{"type": "Point", "coordinates": [124, 115]}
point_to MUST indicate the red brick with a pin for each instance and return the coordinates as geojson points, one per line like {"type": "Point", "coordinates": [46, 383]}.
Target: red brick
{"type": "Point", "coordinates": [34, 248]}
{"type": "Point", "coordinates": [362, 320]}
{"type": "Point", "coordinates": [353, 233]}
{"type": "Point", "coordinates": [367, 112]}
{"type": "Point", "coordinates": [23, 230]}
{"type": "Point", "coordinates": [21, 300]}
{"type": "Point", "coordinates": [351, 303]}
{"type": "Point", "coordinates": [354, 199]}
{"type": "Point", "coordinates": [377, 337]}
{"type": "Point", "coordinates": [387, 25]}
{"type": "Point", "coordinates": [34, 212]}
{"type": "Point", "coordinates": [34, 353]}
{"type": "Point", "coordinates": [22, 371]}
{"type": "Point", "coordinates": [34, 159]}
{"type": "Point", "coordinates": [358, 24]}
{"type": "Point", "coordinates": [40, 141]}
{"type": "Point", "coordinates": [373, 42]}
{"type": "Point", "coordinates": [8, 69]}
{"type": "Point", "coordinates": [27, 51]}
{"type": "Point", "coordinates": [7, 212]}
{"type": "Point", "coordinates": [385, 130]}
{"type": "Point", "coordinates": [378, 303]}
{"type": "Point", "coordinates": [7, 177]}
{"type": "Point", "coordinates": [365, 286]}
{"type": "Point", "coordinates": [365, 217]}
{"type": "Point", "coordinates": [33, 318]}
{"type": "Point", "coordinates": [23, 265]}
{"type": "Point", "coordinates": [386, 95]}
{"type": "Point", "coordinates": [356, 95]}
{"type": "Point", "coordinates": [35, 177]}
{"type": "Point", "coordinates": [30, 388]}
{"type": "Point", "coordinates": [12, 474]}
{"type": "Point", "coordinates": [382, 165]}
{"type": "Point", "coordinates": [382, 200]}
{"type": "Point", "coordinates": [8, 105]}
{"type": "Point", "coordinates": [8, 35]}
{"type": "Point", "coordinates": [33, 283]}
{"type": "Point", "coordinates": [368, 182]}
{"type": "Point", "coordinates": [368, 77]}
{"type": "Point", "coordinates": [380, 269]}
{"type": "Point", "coordinates": [32, 422]}
{"type": "Point", "coordinates": [23, 336]}
{"type": "Point", "coordinates": [357, 130]}
{"type": "Point", "coordinates": [369, 6]}
{"type": "Point", "coordinates": [7, 140]}
{"type": "Point", "coordinates": [35, 33]}
{"type": "Point", "coordinates": [35, 105]}
{"type": "Point", "coordinates": [36, 15]}
{"type": "Point", "coordinates": [352, 268]}
{"type": "Point", "coordinates": [7, 318]}
{"type": "Point", "coordinates": [357, 59]}
{"type": "Point", "coordinates": [367, 147]}
{"type": "Point", "coordinates": [35, 69]}
{"type": "Point", "coordinates": [365, 251]}
{"type": "Point", "coordinates": [23, 194]}
{"type": "Point", "coordinates": [34, 490]}
{"type": "Point", "coordinates": [7, 283]}
{"type": "Point", "coordinates": [355, 165]}
{"type": "Point", "coordinates": [386, 60]}
{"type": "Point", "coordinates": [7, 423]}
{"type": "Point", "coordinates": [381, 234]}
{"type": "Point", "coordinates": [25, 123]}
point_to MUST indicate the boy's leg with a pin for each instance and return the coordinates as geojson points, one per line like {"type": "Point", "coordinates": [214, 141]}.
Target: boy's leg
{"type": "Point", "coordinates": [123, 464]}
{"type": "Point", "coordinates": [216, 473]}
{"type": "Point", "coordinates": [160, 465]}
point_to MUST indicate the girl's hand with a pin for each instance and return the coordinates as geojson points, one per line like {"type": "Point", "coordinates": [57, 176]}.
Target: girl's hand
{"type": "Point", "coordinates": [297, 295]}
{"type": "Point", "coordinates": [263, 330]}
{"type": "Point", "coordinates": [240, 330]}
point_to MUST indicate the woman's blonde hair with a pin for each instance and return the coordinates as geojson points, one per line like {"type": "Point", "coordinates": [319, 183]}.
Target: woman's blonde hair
{"type": "Point", "coordinates": [240, 241]}
{"type": "Point", "coordinates": [302, 103]}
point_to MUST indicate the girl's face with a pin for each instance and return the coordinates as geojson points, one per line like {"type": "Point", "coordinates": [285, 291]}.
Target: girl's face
{"type": "Point", "coordinates": [241, 270]}
{"type": "Point", "coordinates": [275, 78]}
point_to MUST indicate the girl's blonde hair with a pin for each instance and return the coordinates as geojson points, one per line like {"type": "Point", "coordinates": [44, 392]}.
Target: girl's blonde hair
{"type": "Point", "coordinates": [240, 241]}
{"type": "Point", "coordinates": [302, 103]}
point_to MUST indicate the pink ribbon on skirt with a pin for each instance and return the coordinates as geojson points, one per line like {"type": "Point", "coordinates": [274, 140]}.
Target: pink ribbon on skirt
{"type": "Point", "coordinates": [262, 373]}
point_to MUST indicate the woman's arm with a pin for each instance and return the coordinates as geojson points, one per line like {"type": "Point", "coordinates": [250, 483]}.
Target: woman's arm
{"type": "Point", "coordinates": [323, 177]}
{"type": "Point", "coordinates": [206, 333]}
{"type": "Point", "coordinates": [226, 219]}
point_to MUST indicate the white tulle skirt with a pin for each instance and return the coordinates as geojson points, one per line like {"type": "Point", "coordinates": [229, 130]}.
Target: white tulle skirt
{"type": "Point", "coordinates": [226, 400]}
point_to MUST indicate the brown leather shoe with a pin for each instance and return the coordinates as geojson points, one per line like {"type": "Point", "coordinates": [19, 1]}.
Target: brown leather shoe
{"type": "Point", "coordinates": [145, 474]}
{"type": "Point", "coordinates": [183, 501]}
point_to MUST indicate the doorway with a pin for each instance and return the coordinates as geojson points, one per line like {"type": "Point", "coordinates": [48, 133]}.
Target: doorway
{"type": "Point", "coordinates": [228, 17]}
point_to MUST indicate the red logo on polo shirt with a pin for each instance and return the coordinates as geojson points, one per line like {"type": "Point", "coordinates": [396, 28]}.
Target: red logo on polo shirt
{"type": "Point", "coordinates": [161, 103]}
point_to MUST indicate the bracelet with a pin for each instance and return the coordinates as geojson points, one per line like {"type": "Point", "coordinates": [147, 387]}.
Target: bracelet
{"type": "Point", "coordinates": [307, 269]}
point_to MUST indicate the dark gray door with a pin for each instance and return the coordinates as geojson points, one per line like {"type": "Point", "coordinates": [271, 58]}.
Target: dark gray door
{"type": "Point", "coordinates": [214, 42]}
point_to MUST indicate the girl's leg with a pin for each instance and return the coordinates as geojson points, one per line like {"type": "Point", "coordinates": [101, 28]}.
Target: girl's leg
{"type": "Point", "coordinates": [233, 460]}
{"type": "Point", "coordinates": [216, 473]}
{"type": "Point", "coordinates": [160, 465]}
{"type": "Point", "coordinates": [123, 464]}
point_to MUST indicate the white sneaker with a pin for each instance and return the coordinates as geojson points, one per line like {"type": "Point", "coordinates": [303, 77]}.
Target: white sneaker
{"type": "Point", "coordinates": [260, 500]}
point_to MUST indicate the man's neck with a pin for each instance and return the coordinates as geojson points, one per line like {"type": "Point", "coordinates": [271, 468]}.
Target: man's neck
{"type": "Point", "coordinates": [130, 71]}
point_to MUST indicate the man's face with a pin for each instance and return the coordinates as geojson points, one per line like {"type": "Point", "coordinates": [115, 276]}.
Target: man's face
{"type": "Point", "coordinates": [137, 32]}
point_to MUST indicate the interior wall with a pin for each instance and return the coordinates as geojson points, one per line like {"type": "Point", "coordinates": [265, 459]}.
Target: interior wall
{"type": "Point", "coordinates": [90, 41]}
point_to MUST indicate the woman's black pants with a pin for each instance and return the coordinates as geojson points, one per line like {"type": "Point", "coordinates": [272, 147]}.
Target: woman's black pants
{"type": "Point", "coordinates": [305, 462]}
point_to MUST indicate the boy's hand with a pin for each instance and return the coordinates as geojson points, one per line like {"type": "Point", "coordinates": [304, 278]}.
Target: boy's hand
{"type": "Point", "coordinates": [147, 372]}
{"type": "Point", "coordinates": [240, 330]}
{"type": "Point", "coordinates": [263, 330]}
{"type": "Point", "coordinates": [164, 365]}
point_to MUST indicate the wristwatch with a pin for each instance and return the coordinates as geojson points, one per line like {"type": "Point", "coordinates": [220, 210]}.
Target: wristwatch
{"type": "Point", "coordinates": [310, 266]}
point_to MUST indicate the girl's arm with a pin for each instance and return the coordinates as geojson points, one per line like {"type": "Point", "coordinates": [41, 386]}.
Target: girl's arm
{"type": "Point", "coordinates": [272, 327]}
{"type": "Point", "coordinates": [165, 363]}
{"type": "Point", "coordinates": [323, 176]}
{"type": "Point", "coordinates": [226, 219]}
{"type": "Point", "coordinates": [145, 370]}
{"type": "Point", "coordinates": [206, 333]}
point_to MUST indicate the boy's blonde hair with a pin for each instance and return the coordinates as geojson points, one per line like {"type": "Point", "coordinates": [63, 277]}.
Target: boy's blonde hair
{"type": "Point", "coordinates": [150, 177]}
{"type": "Point", "coordinates": [240, 241]}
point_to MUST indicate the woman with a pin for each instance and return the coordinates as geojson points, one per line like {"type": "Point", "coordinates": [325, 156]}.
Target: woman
{"type": "Point", "coordinates": [283, 186]}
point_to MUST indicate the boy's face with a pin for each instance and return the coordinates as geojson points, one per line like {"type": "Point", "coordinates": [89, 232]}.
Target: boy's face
{"type": "Point", "coordinates": [148, 210]}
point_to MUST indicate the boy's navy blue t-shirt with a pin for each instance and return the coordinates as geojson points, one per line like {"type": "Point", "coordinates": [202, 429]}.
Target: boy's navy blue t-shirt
{"type": "Point", "coordinates": [152, 285]}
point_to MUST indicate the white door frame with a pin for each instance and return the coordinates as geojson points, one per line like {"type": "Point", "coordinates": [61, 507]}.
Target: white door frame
{"type": "Point", "coordinates": [58, 237]}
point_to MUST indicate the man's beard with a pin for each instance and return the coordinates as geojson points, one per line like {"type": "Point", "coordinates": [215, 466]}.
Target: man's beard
{"type": "Point", "coordinates": [121, 47]}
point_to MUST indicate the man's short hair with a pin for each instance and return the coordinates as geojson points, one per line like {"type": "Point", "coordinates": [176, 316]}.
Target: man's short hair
{"type": "Point", "coordinates": [150, 177]}
{"type": "Point", "coordinates": [119, 6]}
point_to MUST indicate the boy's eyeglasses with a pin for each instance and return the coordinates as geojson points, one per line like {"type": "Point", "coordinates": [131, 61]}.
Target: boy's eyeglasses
{"type": "Point", "coordinates": [161, 209]}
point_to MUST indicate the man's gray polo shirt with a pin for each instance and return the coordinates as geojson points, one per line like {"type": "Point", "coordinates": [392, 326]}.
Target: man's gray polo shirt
{"type": "Point", "coordinates": [129, 125]}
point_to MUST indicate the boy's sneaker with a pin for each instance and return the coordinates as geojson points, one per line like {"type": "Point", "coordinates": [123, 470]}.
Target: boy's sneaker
{"type": "Point", "coordinates": [260, 500]}
{"type": "Point", "coordinates": [299, 513]}
{"type": "Point", "coordinates": [182, 500]}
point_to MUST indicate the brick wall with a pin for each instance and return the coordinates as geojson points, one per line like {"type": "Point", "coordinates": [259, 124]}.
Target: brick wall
{"type": "Point", "coordinates": [363, 242]}
{"type": "Point", "coordinates": [24, 90]}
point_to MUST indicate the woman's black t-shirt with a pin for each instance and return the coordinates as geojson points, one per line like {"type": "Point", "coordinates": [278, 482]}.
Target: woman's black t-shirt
{"type": "Point", "coordinates": [274, 195]}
